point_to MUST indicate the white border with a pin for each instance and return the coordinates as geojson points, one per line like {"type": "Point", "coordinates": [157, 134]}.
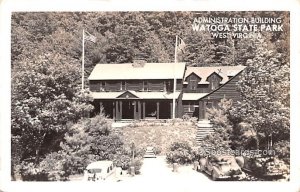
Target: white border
{"type": "Point", "coordinates": [134, 5]}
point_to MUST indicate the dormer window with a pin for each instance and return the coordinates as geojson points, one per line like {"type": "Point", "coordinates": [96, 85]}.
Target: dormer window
{"type": "Point", "coordinates": [192, 81]}
{"type": "Point", "coordinates": [214, 85]}
{"type": "Point", "coordinates": [214, 80]}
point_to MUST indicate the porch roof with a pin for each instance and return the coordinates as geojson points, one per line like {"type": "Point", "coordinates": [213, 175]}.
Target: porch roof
{"type": "Point", "coordinates": [193, 96]}
{"type": "Point", "coordinates": [139, 95]}
{"type": "Point", "coordinates": [128, 71]}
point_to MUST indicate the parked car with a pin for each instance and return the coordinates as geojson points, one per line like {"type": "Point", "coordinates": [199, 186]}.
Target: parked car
{"type": "Point", "coordinates": [99, 170]}
{"type": "Point", "coordinates": [265, 166]}
{"type": "Point", "coordinates": [221, 167]}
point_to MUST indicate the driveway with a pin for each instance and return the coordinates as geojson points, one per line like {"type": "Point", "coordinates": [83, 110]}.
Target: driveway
{"type": "Point", "coordinates": [157, 171]}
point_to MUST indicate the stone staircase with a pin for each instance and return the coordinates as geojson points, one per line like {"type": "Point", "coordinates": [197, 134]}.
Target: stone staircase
{"type": "Point", "coordinates": [149, 153]}
{"type": "Point", "coordinates": [204, 128]}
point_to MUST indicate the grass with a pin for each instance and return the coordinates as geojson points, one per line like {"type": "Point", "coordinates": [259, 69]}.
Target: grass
{"type": "Point", "coordinates": [159, 136]}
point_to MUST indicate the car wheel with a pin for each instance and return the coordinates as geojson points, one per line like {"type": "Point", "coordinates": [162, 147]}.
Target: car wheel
{"type": "Point", "coordinates": [214, 175]}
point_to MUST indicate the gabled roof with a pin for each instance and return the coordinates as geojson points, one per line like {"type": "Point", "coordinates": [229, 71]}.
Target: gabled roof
{"type": "Point", "coordinates": [127, 71]}
{"type": "Point", "coordinates": [128, 94]}
{"type": "Point", "coordinates": [191, 74]}
{"type": "Point", "coordinates": [218, 74]}
{"type": "Point", "coordinates": [224, 71]}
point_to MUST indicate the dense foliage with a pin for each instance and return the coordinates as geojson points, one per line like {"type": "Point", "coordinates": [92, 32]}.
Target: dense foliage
{"type": "Point", "coordinates": [86, 141]}
{"type": "Point", "coordinates": [45, 100]}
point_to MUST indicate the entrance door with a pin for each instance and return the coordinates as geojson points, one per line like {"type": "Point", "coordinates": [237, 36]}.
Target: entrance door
{"type": "Point", "coordinates": [128, 110]}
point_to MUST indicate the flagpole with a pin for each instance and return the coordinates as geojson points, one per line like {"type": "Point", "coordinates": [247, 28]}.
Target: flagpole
{"type": "Point", "coordinates": [174, 83]}
{"type": "Point", "coordinates": [82, 65]}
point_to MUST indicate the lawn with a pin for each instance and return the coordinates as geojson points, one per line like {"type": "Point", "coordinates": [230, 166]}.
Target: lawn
{"type": "Point", "coordinates": [158, 135]}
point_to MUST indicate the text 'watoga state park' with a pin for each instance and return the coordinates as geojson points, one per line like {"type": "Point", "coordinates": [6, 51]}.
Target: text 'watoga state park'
{"type": "Point", "coordinates": [221, 27]}
{"type": "Point", "coordinates": [237, 27]}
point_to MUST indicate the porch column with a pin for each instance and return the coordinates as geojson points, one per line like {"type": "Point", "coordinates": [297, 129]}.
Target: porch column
{"type": "Point", "coordinates": [144, 109]}
{"type": "Point", "coordinates": [121, 105]}
{"type": "Point", "coordinates": [157, 110]}
{"type": "Point", "coordinates": [201, 110]}
{"type": "Point", "coordinates": [100, 104]}
{"type": "Point", "coordinates": [117, 110]}
{"type": "Point", "coordinates": [139, 110]}
{"type": "Point", "coordinates": [134, 110]}
{"type": "Point", "coordinates": [171, 110]}
{"type": "Point", "coordinates": [114, 110]}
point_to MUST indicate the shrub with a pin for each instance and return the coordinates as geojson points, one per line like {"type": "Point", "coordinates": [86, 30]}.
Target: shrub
{"type": "Point", "coordinates": [137, 164]}
{"type": "Point", "coordinates": [30, 172]}
{"type": "Point", "coordinates": [197, 154]}
{"type": "Point", "coordinates": [186, 117]}
{"type": "Point", "coordinates": [122, 161]}
{"type": "Point", "coordinates": [157, 150]}
{"type": "Point", "coordinates": [180, 152]}
{"type": "Point", "coordinates": [180, 145]}
{"type": "Point", "coordinates": [282, 149]}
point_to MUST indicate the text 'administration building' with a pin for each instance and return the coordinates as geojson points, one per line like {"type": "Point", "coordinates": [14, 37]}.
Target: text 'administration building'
{"type": "Point", "coordinates": [143, 90]}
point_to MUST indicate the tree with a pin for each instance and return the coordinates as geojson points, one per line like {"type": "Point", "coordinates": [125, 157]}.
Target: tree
{"type": "Point", "coordinates": [222, 126]}
{"type": "Point", "coordinates": [264, 87]}
{"type": "Point", "coordinates": [45, 98]}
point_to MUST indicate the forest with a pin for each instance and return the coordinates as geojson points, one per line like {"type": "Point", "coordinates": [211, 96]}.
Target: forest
{"type": "Point", "coordinates": [46, 53]}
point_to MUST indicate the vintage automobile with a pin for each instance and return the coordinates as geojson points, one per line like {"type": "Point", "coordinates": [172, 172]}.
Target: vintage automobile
{"type": "Point", "coordinates": [221, 167]}
{"type": "Point", "coordinates": [99, 170]}
{"type": "Point", "coordinates": [267, 167]}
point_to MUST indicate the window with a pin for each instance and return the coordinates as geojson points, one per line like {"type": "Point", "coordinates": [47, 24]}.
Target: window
{"type": "Point", "coordinates": [193, 83]}
{"type": "Point", "coordinates": [191, 106]}
{"type": "Point", "coordinates": [214, 81]}
{"type": "Point", "coordinates": [213, 85]}
{"type": "Point", "coordinates": [123, 85]}
{"type": "Point", "coordinates": [102, 86]}
{"type": "Point", "coordinates": [169, 86]}
{"type": "Point", "coordinates": [145, 85]}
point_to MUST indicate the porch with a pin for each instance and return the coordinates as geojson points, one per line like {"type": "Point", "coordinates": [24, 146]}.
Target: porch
{"type": "Point", "coordinates": [136, 109]}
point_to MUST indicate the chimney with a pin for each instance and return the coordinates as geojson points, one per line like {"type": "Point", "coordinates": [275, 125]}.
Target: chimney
{"type": "Point", "coordinates": [139, 60]}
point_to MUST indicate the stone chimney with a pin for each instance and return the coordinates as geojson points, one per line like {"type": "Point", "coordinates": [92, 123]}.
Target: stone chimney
{"type": "Point", "coordinates": [139, 60]}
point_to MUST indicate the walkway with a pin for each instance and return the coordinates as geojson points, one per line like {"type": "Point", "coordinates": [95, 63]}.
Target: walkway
{"type": "Point", "coordinates": [156, 171]}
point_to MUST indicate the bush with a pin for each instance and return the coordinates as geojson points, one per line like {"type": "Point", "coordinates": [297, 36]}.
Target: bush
{"type": "Point", "coordinates": [180, 145]}
{"type": "Point", "coordinates": [197, 154]}
{"type": "Point", "coordinates": [30, 172]}
{"type": "Point", "coordinates": [157, 150]}
{"type": "Point", "coordinates": [180, 152]}
{"type": "Point", "coordinates": [282, 149]}
{"type": "Point", "coordinates": [137, 164]}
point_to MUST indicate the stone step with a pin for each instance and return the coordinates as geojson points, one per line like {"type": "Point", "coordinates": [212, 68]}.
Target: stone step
{"type": "Point", "coordinates": [204, 128]}
{"type": "Point", "coordinates": [149, 153]}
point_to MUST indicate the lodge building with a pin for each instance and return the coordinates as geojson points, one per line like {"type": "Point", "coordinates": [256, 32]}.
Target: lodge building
{"type": "Point", "coordinates": [143, 90]}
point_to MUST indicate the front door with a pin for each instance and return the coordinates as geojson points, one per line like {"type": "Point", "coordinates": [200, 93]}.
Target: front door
{"type": "Point", "coordinates": [128, 109]}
